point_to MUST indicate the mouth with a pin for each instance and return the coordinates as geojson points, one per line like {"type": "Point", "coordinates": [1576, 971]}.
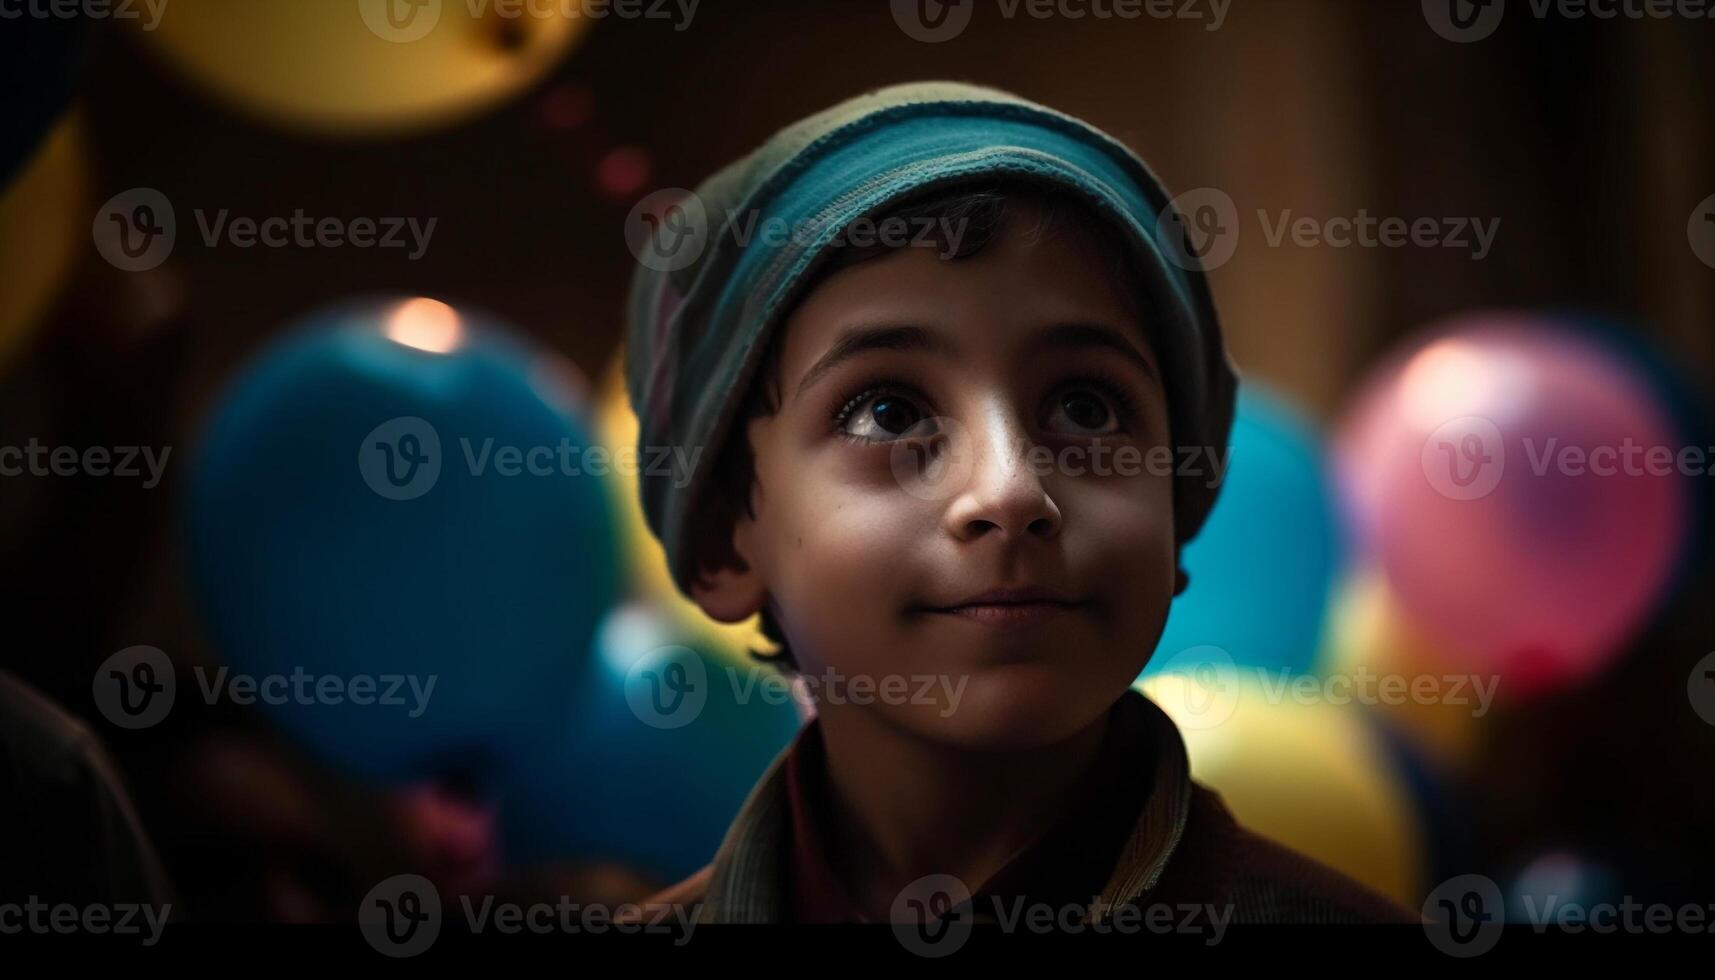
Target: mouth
{"type": "Point", "coordinates": [1012, 608]}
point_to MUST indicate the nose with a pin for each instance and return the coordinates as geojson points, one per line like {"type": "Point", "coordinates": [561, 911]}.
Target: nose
{"type": "Point", "coordinates": [1005, 494]}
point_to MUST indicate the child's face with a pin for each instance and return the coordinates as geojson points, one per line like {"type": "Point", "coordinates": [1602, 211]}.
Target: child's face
{"type": "Point", "coordinates": [1043, 478]}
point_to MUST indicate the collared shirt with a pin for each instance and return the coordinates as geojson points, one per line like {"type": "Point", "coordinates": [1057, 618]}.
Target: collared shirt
{"type": "Point", "coordinates": [752, 876]}
{"type": "Point", "coordinates": [1182, 850]}
{"type": "Point", "coordinates": [1067, 865]}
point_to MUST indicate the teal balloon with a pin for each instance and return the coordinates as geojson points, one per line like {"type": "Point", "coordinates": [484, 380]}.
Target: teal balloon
{"type": "Point", "coordinates": [1262, 570]}
{"type": "Point", "coordinates": [650, 770]}
{"type": "Point", "coordinates": [356, 518]}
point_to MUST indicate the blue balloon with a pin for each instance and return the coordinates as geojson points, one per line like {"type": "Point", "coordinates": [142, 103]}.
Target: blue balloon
{"type": "Point", "coordinates": [1264, 565]}
{"type": "Point", "coordinates": [652, 767]}
{"type": "Point", "coordinates": [395, 496]}
{"type": "Point", "coordinates": [1557, 882]}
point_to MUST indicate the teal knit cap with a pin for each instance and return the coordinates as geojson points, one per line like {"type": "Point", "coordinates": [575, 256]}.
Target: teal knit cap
{"type": "Point", "coordinates": [713, 281]}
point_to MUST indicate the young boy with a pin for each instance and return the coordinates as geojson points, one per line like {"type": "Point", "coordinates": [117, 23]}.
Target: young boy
{"type": "Point", "coordinates": [930, 337]}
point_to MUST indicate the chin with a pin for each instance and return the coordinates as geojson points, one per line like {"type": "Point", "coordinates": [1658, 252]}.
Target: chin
{"type": "Point", "coordinates": [1017, 707]}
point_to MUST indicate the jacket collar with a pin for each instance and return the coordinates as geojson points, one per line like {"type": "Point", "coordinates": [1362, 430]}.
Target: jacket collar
{"type": "Point", "coordinates": [748, 877]}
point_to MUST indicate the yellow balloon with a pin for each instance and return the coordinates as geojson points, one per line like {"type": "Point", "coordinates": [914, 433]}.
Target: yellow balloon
{"type": "Point", "coordinates": [1312, 776]}
{"type": "Point", "coordinates": [40, 230]}
{"type": "Point", "coordinates": [618, 425]}
{"type": "Point", "coordinates": [1369, 631]}
{"type": "Point", "coordinates": [364, 67]}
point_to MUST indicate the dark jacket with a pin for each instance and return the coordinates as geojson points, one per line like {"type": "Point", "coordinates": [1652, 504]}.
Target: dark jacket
{"type": "Point", "coordinates": [1184, 847]}
{"type": "Point", "coordinates": [68, 831]}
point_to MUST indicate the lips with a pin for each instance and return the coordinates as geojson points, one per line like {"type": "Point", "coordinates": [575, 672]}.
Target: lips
{"type": "Point", "coordinates": [1012, 608]}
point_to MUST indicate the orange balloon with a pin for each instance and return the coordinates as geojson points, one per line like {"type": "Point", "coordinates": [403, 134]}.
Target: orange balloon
{"type": "Point", "coordinates": [364, 67]}
{"type": "Point", "coordinates": [1370, 632]}
{"type": "Point", "coordinates": [40, 230]}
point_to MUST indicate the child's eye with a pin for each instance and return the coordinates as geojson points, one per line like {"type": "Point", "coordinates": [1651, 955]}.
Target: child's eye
{"type": "Point", "coordinates": [880, 414]}
{"type": "Point", "coordinates": [1089, 406]}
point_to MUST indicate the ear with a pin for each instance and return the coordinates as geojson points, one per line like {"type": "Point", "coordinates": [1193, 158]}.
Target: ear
{"type": "Point", "coordinates": [1180, 581]}
{"type": "Point", "coordinates": [735, 591]}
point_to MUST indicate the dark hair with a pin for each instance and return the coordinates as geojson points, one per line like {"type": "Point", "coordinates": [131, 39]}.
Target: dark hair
{"type": "Point", "coordinates": [979, 214]}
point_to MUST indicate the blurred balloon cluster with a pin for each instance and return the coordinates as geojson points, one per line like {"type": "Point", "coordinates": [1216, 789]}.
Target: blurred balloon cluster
{"type": "Point", "coordinates": [402, 491]}
{"type": "Point", "coordinates": [408, 492]}
{"type": "Point", "coordinates": [352, 513]}
{"type": "Point", "coordinates": [1499, 511]}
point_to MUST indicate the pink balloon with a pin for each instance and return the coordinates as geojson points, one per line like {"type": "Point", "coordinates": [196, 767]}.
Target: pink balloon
{"type": "Point", "coordinates": [1523, 492]}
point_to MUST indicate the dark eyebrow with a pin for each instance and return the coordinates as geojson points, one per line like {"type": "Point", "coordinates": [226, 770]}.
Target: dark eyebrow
{"type": "Point", "coordinates": [1071, 336]}
{"type": "Point", "coordinates": [860, 339]}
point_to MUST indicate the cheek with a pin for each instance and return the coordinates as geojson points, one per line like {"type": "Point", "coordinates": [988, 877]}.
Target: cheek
{"type": "Point", "coordinates": [835, 547]}
{"type": "Point", "coordinates": [1124, 528]}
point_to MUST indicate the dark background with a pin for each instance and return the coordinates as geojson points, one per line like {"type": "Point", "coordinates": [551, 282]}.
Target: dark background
{"type": "Point", "coordinates": [1591, 140]}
